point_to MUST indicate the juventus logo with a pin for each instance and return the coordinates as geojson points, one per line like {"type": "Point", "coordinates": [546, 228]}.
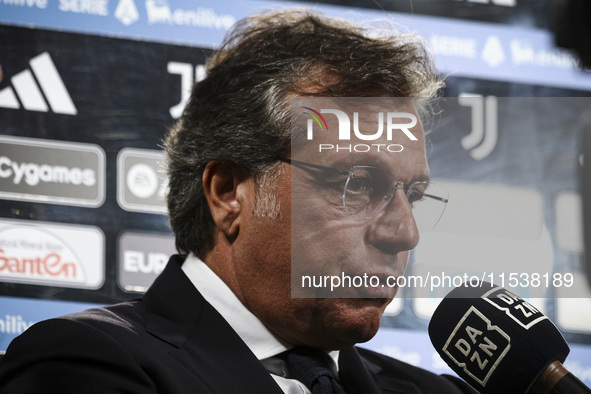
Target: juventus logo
{"type": "Point", "coordinates": [188, 77]}
{"type": "Point", "coordinates": [483, 136]}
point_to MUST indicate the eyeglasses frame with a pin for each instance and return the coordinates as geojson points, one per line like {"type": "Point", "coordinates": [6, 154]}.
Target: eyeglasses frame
{"type": "Point", "coordinates": [405, 187]}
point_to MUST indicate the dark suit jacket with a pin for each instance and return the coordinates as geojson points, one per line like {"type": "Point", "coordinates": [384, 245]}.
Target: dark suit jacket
{"type": "Point", "coordinates": [173, 341]}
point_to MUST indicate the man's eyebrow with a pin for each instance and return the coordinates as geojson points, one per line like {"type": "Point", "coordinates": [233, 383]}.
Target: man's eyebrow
{"type": "Point", "coordinates": [347, 164]}
{"type": "Point", "coordinates": [351, 161]}
{"type": "Point", "coordinates": [425, 177]}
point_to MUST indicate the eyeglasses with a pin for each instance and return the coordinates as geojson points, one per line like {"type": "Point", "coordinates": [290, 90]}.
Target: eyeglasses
{"type": "Point", "coordinates": [367, 190]}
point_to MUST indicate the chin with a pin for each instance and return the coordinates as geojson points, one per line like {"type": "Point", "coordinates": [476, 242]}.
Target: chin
{"type": "Point", "coordinates": [364, 333]}
{"type": "Point", "coordinates": [345, 337]}
{"type": "Point", "coordinates": [355, 320]}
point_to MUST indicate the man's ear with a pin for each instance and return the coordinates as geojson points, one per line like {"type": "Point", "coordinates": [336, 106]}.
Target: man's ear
{"type": "Point", "coordinates": [223, 184]}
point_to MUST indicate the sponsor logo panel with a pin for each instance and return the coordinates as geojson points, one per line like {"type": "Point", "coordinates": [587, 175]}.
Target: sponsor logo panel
{"type": "Point", "coordinates": [52, 172]}
{"type": "Point", "coordinates": [51, 254]}
{"type": "Point", "coordinates": [464, 48]}
{"type": "Point", "coordinates": [141, 181]}
{"type": "Point", "coordinates": [141, 258]}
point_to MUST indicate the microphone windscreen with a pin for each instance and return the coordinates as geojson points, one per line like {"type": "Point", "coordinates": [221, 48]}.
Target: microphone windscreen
{"type": "Point", "coordinates": [493, 339]}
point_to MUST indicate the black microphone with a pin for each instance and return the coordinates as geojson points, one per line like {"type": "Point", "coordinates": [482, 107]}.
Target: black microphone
{"type": "Point", "coordinates": [501, 344]}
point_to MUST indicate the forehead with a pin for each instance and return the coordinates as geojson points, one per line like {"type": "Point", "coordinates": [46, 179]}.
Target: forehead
{"type": "Point", "coordinates": [337, 132]}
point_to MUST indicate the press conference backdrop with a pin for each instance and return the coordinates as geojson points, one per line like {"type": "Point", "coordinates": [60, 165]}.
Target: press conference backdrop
{"type": "Point", "coordinates": [88, 89]}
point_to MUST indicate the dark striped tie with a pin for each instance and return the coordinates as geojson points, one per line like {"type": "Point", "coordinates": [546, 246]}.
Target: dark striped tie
{"type": "Point", "coordinates": [310, 366]}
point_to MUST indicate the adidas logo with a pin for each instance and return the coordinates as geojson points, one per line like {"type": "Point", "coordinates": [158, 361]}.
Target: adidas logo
{"type": "Point", "coordinates": [38, 90]}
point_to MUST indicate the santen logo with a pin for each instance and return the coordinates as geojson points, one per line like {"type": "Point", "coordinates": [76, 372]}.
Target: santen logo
{"type": "Point", "coordinates": [52, 172]}
{"type": "Point", "coordinates": [477, 346]}
{"type": "Point", "coordinates": [51, 254]}
{"type": "Point", "coordinates": [32, 92]}
{"type": "Point", "coordinates": [395, 122]}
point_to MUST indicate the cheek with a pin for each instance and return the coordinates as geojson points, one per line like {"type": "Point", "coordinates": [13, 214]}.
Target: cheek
{"type": "Point", "coordinates": [322, 223]}
{"type": "Point", "coordinates": [323, 241]}
{"type": "Point", "coordinates": [262, 253]}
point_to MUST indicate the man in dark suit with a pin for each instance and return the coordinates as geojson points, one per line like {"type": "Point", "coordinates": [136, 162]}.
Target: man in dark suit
{"type": "Point", "coordinates": [246, 203]}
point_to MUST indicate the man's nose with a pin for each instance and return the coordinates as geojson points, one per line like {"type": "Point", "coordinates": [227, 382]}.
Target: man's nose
{"type": "Point", "coordinates": [394, 230]}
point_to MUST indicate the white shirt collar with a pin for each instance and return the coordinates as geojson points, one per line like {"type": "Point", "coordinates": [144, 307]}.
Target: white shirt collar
{"type": "Point", "coordinates": [253, 332]}
{"type": "Point", "coordinates": [259, 339]}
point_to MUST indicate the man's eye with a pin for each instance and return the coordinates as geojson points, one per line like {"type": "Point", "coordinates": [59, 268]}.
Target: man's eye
{"type": "Point", "coordinates": [414, 196]}
{"type": "Point", "coordinates": [359, 185]}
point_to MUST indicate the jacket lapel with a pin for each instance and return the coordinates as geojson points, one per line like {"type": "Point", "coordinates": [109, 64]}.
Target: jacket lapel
{"type": "Point", "coordinates": [357, 375]}
{"type": "Point", "coordinates": [201, 340]}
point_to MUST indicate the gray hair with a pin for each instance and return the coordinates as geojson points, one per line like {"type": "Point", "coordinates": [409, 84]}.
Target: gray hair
{"type": "Point", "coordinates": [241, 111]}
